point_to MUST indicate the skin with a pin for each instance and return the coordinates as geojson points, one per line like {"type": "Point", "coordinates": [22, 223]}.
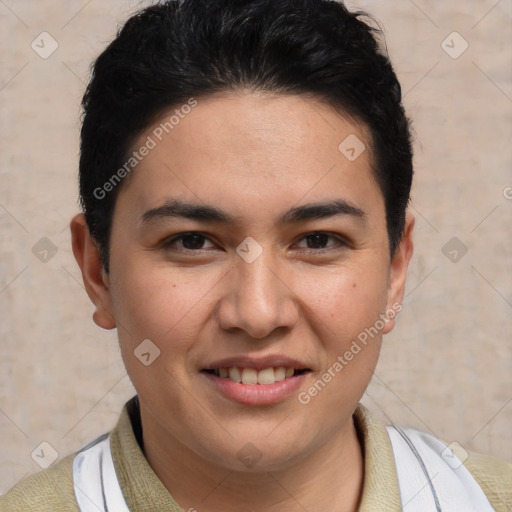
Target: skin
{"type": "Point", "coordinates": [254, 156]}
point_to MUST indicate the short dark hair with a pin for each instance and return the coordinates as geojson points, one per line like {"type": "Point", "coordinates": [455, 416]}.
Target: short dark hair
{"type": "Point", "coordinates": [174, 50]}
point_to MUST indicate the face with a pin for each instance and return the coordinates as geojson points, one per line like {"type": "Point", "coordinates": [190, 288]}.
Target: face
{"type": "Point", "coordinates": [246, 245]}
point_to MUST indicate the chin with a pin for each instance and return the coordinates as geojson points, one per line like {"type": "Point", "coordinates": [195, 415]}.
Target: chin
{"type": "Point", "coordinates": [255, 454]}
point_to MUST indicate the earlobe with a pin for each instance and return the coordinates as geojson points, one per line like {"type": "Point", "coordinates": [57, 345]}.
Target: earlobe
{"type": "Point", "coordinates": [398, 271]}
{"type": "Point", "coordinates": [95, 279]}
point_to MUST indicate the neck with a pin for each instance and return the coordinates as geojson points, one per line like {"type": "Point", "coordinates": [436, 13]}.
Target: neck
{"type": "Point", "coordinates": [329, 479]}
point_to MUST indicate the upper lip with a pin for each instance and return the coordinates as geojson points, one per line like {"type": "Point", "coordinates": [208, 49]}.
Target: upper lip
{"type": "Point", "coordinates": [258, 363]}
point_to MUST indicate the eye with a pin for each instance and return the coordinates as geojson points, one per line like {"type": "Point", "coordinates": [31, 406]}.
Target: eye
{"type": "Point", "coordinates": [195, 242]}
{"type": "Point", "coordinates": [317, 240]}
{"type": "Point", "coordinates": [192, 241]}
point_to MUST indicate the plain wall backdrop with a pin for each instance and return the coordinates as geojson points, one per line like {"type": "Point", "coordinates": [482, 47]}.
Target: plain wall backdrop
{"type": "Point", "coordinates": [445, 369]}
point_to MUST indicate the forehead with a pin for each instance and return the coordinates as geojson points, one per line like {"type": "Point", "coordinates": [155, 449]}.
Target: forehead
{"type": "Point", "coordinates": [271, 148]}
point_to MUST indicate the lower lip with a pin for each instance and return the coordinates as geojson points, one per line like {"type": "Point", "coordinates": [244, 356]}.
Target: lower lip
{"type": "Point", "coordinates": [257, 394]}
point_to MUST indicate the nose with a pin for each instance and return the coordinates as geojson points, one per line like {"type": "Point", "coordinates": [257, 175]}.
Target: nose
{"type": "Point", "coordinates": [258, 298]}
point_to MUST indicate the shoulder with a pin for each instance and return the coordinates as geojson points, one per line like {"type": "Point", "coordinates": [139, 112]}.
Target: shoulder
{"type": "Point", "coordinates": [46, 491]}
{"type": "Point", "coordinates": [494, 476]}
{"type": "Point", "coordinates": [459, 466]}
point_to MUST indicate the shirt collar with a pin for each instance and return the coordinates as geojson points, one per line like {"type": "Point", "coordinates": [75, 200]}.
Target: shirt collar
{"type": "Point", "coordinates": [380, 488]}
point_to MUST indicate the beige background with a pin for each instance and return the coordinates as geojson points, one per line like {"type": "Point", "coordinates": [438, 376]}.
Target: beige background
{"type": "Point", "coordinates": [446, 369]}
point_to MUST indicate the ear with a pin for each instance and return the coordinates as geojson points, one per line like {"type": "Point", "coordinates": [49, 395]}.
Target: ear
{"type": "Point", "coordinates": [96, 281]}
{"type": "Point", "coordinates": [398, 271]}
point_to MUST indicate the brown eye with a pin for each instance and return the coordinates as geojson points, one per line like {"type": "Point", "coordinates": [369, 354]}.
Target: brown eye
{"type": "Point", "coordinates": [319, 240]}
{"type": "Point", "coordinates": [189, 242]}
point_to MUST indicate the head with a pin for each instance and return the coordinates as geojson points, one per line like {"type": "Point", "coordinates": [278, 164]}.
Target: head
{"type": "Point", "coordinates": [273, 131]}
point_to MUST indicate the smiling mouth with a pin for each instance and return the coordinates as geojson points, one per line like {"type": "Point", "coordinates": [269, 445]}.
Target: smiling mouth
{"type": "Point", "coordinates": [264, 377]}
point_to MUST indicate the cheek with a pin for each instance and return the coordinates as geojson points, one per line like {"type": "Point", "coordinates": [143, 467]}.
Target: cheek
{"type": "Point", "coordinates": [346, 308]}
{"type": "Point", "coordinates": [159, 302]}
{"type": "Point", "coordinates": [344, 301]}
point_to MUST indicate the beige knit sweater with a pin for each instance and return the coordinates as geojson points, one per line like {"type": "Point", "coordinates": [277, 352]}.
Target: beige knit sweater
{"type": "Point", "coordinates": [52, 490]}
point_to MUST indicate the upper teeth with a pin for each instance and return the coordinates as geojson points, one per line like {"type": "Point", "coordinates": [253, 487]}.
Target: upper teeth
{"type": "Point", "coordinates": [253, 376]}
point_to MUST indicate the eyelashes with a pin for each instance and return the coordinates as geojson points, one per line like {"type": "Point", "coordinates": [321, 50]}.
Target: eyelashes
{"type": "Point", "coordinates": [195, 241]}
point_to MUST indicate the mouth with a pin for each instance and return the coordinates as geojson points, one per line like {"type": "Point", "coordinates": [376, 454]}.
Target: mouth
{"type": "Point", "coordinates": [257, 381]}
{"type": "Point", "coordinates": [254, 376]}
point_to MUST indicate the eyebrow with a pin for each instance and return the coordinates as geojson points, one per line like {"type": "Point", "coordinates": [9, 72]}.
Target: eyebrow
{"type": "Point", "coordinates": [207, 213]}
